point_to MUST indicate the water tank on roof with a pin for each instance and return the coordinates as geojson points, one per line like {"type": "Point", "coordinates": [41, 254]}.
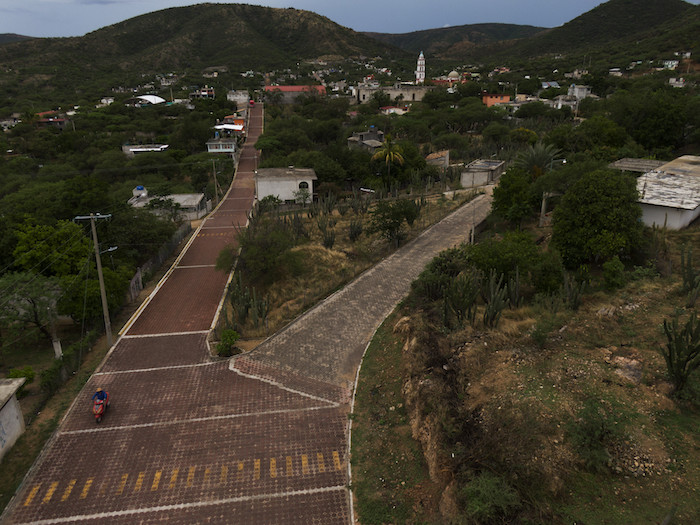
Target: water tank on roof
{"type": "Point", "coordinates": [139, 191]}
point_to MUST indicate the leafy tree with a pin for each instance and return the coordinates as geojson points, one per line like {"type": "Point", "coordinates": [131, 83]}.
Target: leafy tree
{"type": "Point", "coordinates": [388, 219]}
{"type": "Point", "coordinates": [52, 250]}
{"type": "Point", "coordinates": [514, 250]}
{"type": "Point", "coordinates": [598, 218]}
{"type": "Point", "coordinates": [512, 199]}
{"type": "Point", "coordinates": [29, 300]}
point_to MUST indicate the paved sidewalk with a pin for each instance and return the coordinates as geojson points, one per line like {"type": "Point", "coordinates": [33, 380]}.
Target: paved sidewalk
{"type": "Point", "coordinates": [258, 439]}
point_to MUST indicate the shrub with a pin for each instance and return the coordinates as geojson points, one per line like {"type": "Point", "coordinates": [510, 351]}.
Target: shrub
{"type": "Point", "coordinates": [329, 239]}
{"type": "Point", "coordinates": [227, 346]}
{"type": "Point", "coordinates": [488, 497]}
{"type": "Point", "coordinates": [593, 431]}
{"type": "Point", "coordinates": [26, 372]}
{"type": "Point", "coordinates": [613, 274]}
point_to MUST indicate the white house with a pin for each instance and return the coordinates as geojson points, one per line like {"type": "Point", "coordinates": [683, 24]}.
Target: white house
{"type": "Point", "coordinates": [284, 183]}
{"type": "Point", "coordinates": [190, 206]}
{"type": "Point", "coordinates": [11, 420]}
{"type": "Point", "coordinates": [221, 145]}
{"type": "Point", "coordinates": [670, 195]}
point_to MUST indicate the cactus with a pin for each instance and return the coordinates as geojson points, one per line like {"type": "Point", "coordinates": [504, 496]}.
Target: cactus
{"type": "Point", "coordinates": [495, 299]}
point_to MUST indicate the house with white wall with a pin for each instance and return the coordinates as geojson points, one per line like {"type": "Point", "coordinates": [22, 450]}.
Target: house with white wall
{"type": "Point", "coordinates": [670, 195]}
{"type": "Point", "coordinates": [284, 183]}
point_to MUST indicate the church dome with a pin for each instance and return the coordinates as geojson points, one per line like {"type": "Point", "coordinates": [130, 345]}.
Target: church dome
{"type": "Point", "coordinates": [453, 74]}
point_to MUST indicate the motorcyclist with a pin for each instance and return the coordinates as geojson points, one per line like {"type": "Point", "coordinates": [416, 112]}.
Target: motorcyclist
{"type": "Point", "coordinates": [100, 394]}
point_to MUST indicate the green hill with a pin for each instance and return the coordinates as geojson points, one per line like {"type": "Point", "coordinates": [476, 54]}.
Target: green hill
{"type": "Point", "coordinates": [450, 42]}
{"type": "Point", "coordinates": [630, 26]}
{"type": "Point", "coordinates": [238, 36]}
{"type": "Point", "coordinates": [6, 38]}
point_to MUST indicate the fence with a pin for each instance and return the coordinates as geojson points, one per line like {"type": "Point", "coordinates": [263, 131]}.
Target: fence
{"type": "Point", "coordinates": [165, 251]}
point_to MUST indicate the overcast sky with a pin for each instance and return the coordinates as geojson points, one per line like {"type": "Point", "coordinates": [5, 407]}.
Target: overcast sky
{"type": "Point", "coordinates": [45, 18]}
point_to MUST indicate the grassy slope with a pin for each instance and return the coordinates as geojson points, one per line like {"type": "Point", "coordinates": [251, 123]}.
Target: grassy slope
{"type": "Point", "coordinates": [530, 402]}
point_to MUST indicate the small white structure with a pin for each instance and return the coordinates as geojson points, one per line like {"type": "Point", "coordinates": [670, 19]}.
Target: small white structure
{"type": "Point", "coordinates": [145, 100]}
{"type": "Point", "coordinates": [134, 149]}
{"type": "Point", "coordinates": [191, 206]}
{"type": "Point", "coordinates": [11, 420]}
{"type": "Point", "coordinates": [670, 195]}
{"type": "Point", "coordinates": [481, 173]}
{"type": "Point", "coordinates": [284, 183]}
{"type": "Point", "coordinates": [579, 91]}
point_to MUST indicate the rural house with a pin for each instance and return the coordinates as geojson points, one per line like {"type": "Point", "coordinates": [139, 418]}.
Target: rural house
{"type": "Point", "coordinates": [284, 183]}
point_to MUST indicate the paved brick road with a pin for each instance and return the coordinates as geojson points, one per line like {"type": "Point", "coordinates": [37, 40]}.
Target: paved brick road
{"type": "Point", "coordinates": [259, 439]}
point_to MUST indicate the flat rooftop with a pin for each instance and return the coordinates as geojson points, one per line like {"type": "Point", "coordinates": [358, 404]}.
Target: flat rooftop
{"type": "Point", "coordinates": [675, 184]}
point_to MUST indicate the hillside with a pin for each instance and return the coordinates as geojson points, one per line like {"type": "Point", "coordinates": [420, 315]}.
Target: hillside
{"type": "Point", "coordinates": [6, 38]}
{"type": "Point", "coordinates": [633, 25]}
{"type": "Point", "coordinates": [453, 41]}
{"type": "Point", "coordinates": [238, 36]}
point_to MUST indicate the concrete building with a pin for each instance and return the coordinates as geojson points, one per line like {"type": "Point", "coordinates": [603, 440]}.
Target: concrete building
{"type": "Point", "coordinates": [481, 172]}
{"type": "Point", "coordinates": [670, 195]}
{"type": "Point", "coordinates": [190, 206]}
{"type": "Point", "coordinates": [284, 183]}
{"type": "Point", "coordinates": [407, 92]}
{"type": "Point", "coordinates": [288, 94]}
{"type": "Point", "coordinates": [368, 140]}
{"type": "Point", "coordinates": [11, 420]}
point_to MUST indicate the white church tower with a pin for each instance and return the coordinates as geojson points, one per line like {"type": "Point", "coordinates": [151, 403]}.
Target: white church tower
{"type": "Point", "coordinates": [420, 69]}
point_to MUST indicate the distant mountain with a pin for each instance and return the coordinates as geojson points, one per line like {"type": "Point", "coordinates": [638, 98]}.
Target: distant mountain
{"type": "Point", "coordinates": [455, 41]}
{"type": "Point", "coordinates": [609, 25]}
{"type": "Point", "coordinates": [239, 36]}
{"type": "Point", "coordinates": [6, 38]}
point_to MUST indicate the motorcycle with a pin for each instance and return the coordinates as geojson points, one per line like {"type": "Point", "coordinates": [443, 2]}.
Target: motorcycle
{"type": "Point", "coordinates": [99, 407]}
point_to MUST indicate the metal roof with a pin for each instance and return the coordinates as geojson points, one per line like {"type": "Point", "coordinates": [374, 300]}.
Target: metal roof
{"type": "Point", "coordinates": [673, 185]}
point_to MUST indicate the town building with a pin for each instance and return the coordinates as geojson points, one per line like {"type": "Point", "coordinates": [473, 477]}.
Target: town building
{"type": "Point", "coordinates": [481, 173]}
{"type": "Point", "coordinates": [286, 184]}
{"type": "Point", "coordinates": [420, 69]}
{"type": "Point", "coordinates": [369, 140]}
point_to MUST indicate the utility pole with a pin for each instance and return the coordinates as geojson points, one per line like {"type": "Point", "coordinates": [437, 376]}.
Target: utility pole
{"type": "Point", "coordinates": [103, 294]}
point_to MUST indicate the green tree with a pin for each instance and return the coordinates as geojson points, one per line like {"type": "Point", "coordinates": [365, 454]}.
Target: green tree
{"type": "Point", "coordinates": [388, 219]}
{"type": "Point", "coordinates": [390, 153]}
{"type": "Point", "coordinates": [52, 250]}
{"type": "Point", "coordinates": [537, 159]}
{"type": "Point", "coordinates": [598, 218]}
{"type": "Point", "coordinates": [512, 198]}
{"type": "Point", "coordinates": [28, 300]}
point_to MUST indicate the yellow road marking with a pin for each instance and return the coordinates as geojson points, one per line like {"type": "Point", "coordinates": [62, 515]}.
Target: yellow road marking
{"type": "Point", "coordinates": [49, 493]}
{"type": "Point", "coordinates": [103, 488]}
{"type": "Point", "coordinates": [240, 471]}
{"type": "Point", "coordinates": [336, 460]}
{"type": "Point", "coordinates": [304, 464]}
{"type": "Point", "coordinates": [31, 495]}
{"type": "Point", "coordinates": [139, 481]}
{"type": "Point", "coordinates": [122, 484]}
{"type": "Point", "coordinates": [173, 478]}
{"type": "Point", "coordinates": [190, 476]}
{"type": "Point", "coordinates": [69, 489]}
{"type": "Point", "coordinates": [321, 463]}
{"type": "Point", "coordinates": [156, 480]}
{"type": "Point", "coordinates": [86, 488]}
{"type": "Point", "coordinates": [290, 471]}
{"type": "Point", "coordinates": [256, 469]}
{"type": "Point", "coordinates": [223, 477]}
{"type": "Point", "coordinates": [273, 468]}
{"type": "Point", "coordinates": [207, 471]}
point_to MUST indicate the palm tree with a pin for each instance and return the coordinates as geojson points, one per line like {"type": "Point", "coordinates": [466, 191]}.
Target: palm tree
{"type": "Point", "coordinates": [390, 152]}
{"type": "Point", "coordinates": [537, 159]}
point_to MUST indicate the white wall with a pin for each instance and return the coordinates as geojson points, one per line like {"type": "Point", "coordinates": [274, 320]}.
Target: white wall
{"type": "Point", "coordinates": [282, 189]}
{"type": "Point", "coordinates": [673, 218]}
{"type": "Point", "coordinates": [11, 424]}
